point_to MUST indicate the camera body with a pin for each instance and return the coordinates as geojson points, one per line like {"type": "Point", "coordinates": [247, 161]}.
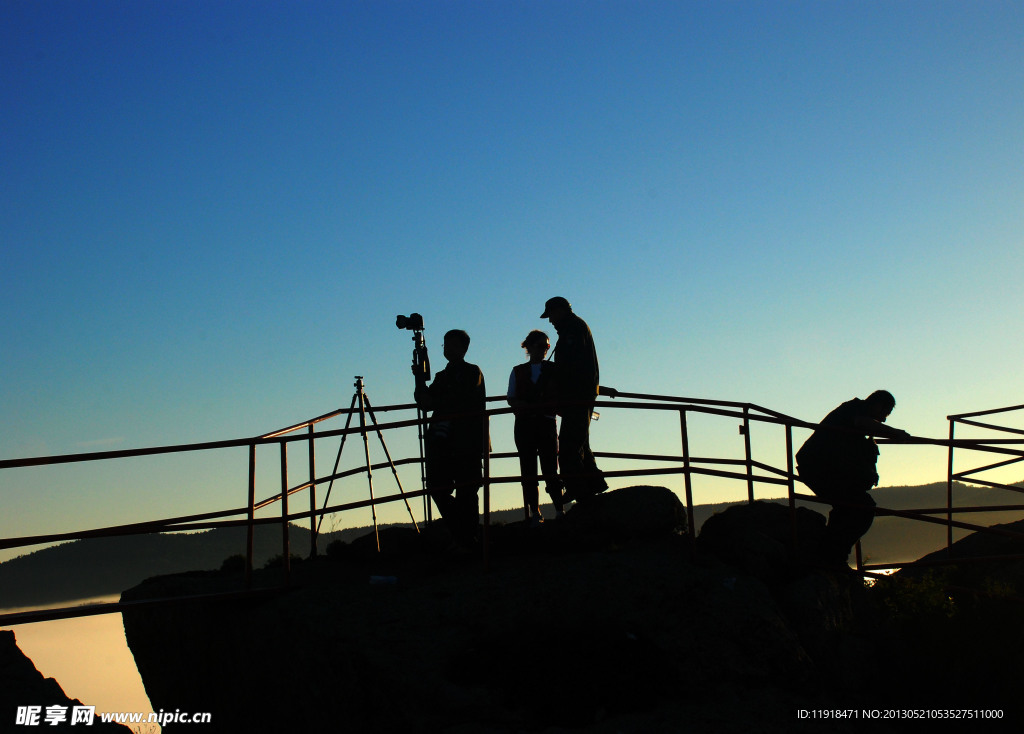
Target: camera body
{"type": "Point", "coordinates": [412, 322]}
{"type": "Point", "coordinates": [420, 360]}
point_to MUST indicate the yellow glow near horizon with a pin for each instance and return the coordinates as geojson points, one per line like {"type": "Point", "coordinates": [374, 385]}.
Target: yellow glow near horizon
{"type": "Point", "coordinates": [90, 659]}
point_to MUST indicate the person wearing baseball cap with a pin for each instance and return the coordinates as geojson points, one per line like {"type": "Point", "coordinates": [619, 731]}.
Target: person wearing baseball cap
{"type": "Point", "coordinates": [577, 376]}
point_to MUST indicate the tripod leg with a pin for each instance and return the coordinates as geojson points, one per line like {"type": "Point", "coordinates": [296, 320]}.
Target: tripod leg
{"type": "Point", "coordinates": [394, 471]}
{"type": "Point", "coordinates": [337, 460]}
{"type": "Point", "coordinates": [366, 452]}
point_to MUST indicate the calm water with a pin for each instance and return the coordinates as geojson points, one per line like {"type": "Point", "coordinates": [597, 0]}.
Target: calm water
{"type": "Point", "coordinates": [89, 657]}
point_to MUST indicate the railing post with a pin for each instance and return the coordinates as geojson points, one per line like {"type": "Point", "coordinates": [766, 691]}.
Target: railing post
{"type": "Point", "coordinates": [421, 431]}
{"type": "Point", "coordinates": [285, 546]}
{"type": "Point", "coordinates": [949, 489]}
{"type": "Point", "coordinates": [746, 446]}
{"type": "Point", "coordinates": [791, 482]}
{"type": "Point", "coordinates": [690, 523]}
{"type": "Point", "coordinates": [249, 541]}
{"type": "Point", "coordinates": [485, 539]}
{"type": "Point", "coordinates": [312, 495]}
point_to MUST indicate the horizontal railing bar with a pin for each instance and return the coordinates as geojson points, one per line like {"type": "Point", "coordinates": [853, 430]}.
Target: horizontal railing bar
{"type": "Point", "coordinates": [997, 465]}
{"type": "Point", "coordinates": [1004, 429]}
{"type": "Point", "coordinates": [972, 508]}
{"type": "Point", "coordinates": [693, 470]}
{"type": "Point", "coordinates": [139, 528]}
{"type": "Point", "coordinates": [277, 497]}
{"type": "Point", "coordinates": [949, 561]}
{"type": "Point", "coordinates": [992, 485]}
{"type": "Point", "coordinates": [338, 412]}
{"type": "Point", "coordinates": [333, 477]}
{"type": "Point", "coordinates": [772, 469]}
{"type": "Point", "coordinates": [122, 454]}
{"type": "Point", "coordinates": [669, 458]}
{"type": "Point", "coordinates": [304, 424]}
{"type": "Point", "coordinates": [684, 400]}
{"type": "Point", "coordinates": [992, 447]}
{"type": "Point", "coordinates": [358, 504]}
{"type": "Point", "coordinates": [922, 518]}
{"type": "Point", "coordinates": [499, 398]}
{"type": "Point", "coordinates": [87, 610]}
{"type": "Point", "coordinates": [973, 444]}
{"type": "Point", "coordinates": [725, 403]}
{"type": "Point", "coordinates": [983, 412]}
{"type": "Point", "coordinates": [776, 414]}
{"type": "Point", "coordinates": [504, 479]}
{"type": "Point", "coordinates": [947, 523]}
{"type": "Point", "coordinates": [303, 515]}
{"type": "Point", "coordinates": [183, 448]}
{"type": "Point", "coordinates": [968, 442]}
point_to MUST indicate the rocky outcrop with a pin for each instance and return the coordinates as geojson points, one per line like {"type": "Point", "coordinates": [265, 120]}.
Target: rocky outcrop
{"type": "Point", "coordinates": [957, 613]}
{"type": "Point", "coordinates": [610, 619]}
{"type": "Point", "coordinates": [22, 686]}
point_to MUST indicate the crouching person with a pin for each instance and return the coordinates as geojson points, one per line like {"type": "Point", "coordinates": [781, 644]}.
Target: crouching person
{"type": "Point", "coordinates": [838, 464]}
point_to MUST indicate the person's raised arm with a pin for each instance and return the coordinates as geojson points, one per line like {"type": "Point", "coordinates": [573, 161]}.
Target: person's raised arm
{"type": "Point", "coordinates": [876, 428]}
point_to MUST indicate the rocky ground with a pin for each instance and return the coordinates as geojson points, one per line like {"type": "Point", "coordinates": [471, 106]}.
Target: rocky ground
{"type": "Point", "coordinates": [608, 620]}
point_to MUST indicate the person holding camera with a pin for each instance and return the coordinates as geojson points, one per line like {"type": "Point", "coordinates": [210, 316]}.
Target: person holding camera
{"type": "Point", "coordinates": [531, 394]}
{"type": "Point", "coordinates": [455, 439]}
{"type": "Point", "coordinates": [578, 385]}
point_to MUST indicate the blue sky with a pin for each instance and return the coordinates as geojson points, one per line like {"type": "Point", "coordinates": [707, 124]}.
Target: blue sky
{"type": "Point", "coordinates": [212, 213]}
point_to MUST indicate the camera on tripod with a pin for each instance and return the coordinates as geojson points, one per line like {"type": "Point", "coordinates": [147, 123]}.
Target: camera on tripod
{"type": "Point", "coordinates": [420, 361]}
{"type": "Point", "coordinates": [412, 322]}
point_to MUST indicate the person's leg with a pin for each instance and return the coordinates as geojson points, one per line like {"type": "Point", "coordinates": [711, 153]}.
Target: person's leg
{"type": "Point", "coordinates": [468, 475]}
{"type": "Point", "coordinates": [439, 477]}
{"type": "Point", "coordinates": [547, 452]}
{"type": "Point", "coordinates": [594, 479]}
{"type": "Point", "coordinates": [581, 476]}
{"type": "Point", "coordinates": [849, 520]}
{"type": "Point", "coordinates": [850, 517]}
{"type": "Point", "coordinates": [571, 439]}
{"type": "Point", "coordinates": [526, 445]}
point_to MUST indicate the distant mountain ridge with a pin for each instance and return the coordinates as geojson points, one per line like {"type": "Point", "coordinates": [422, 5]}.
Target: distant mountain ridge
{"type": "Point", "coordinates": [97, 567]}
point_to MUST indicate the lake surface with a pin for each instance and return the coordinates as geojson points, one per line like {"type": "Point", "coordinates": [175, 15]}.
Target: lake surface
{"type": "Point", "coordinates": [89, 658]}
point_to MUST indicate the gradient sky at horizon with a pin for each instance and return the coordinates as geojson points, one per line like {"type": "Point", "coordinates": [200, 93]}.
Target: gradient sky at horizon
{"type": "Point", "coordinates": [212, 213]}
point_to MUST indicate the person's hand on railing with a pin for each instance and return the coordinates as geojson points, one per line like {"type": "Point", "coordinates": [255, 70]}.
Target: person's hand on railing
{"type": "Point", "coordinates": [609, 392]}
{"type": "Point", "coordinates": [896, 435]}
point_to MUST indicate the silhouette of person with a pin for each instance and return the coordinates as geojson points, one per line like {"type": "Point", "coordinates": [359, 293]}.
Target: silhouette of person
{"type": "Point", "coordinates": [454, 441]}
{"type": "Point", "coordinates": [531, 393]}
{"type": "Point", "coordinates": [577, 378]}
{"type": "Point", "coordinates": [838, 464]}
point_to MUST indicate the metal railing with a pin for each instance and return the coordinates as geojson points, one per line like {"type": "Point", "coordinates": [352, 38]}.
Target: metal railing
{"type": "Point", "coordinates": [747, 470]}
{"type": "Point", "coordinates": [1003, 447]}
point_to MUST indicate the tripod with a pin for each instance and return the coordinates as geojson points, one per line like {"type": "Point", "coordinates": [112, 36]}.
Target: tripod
{"type": "Point", "coordinates": [364, 409]}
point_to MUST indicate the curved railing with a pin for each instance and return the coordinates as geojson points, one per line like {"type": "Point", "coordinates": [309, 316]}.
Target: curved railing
{"type": "Point", "coordinates": [747, 470]}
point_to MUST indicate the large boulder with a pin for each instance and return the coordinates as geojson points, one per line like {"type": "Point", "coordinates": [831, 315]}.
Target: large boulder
{"type": "Point", "coordinates": [764, 539]}
{"type": "Point", "coordinates": [827, 611]}
{"type": "Point", "coordinates": [624, 515]}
